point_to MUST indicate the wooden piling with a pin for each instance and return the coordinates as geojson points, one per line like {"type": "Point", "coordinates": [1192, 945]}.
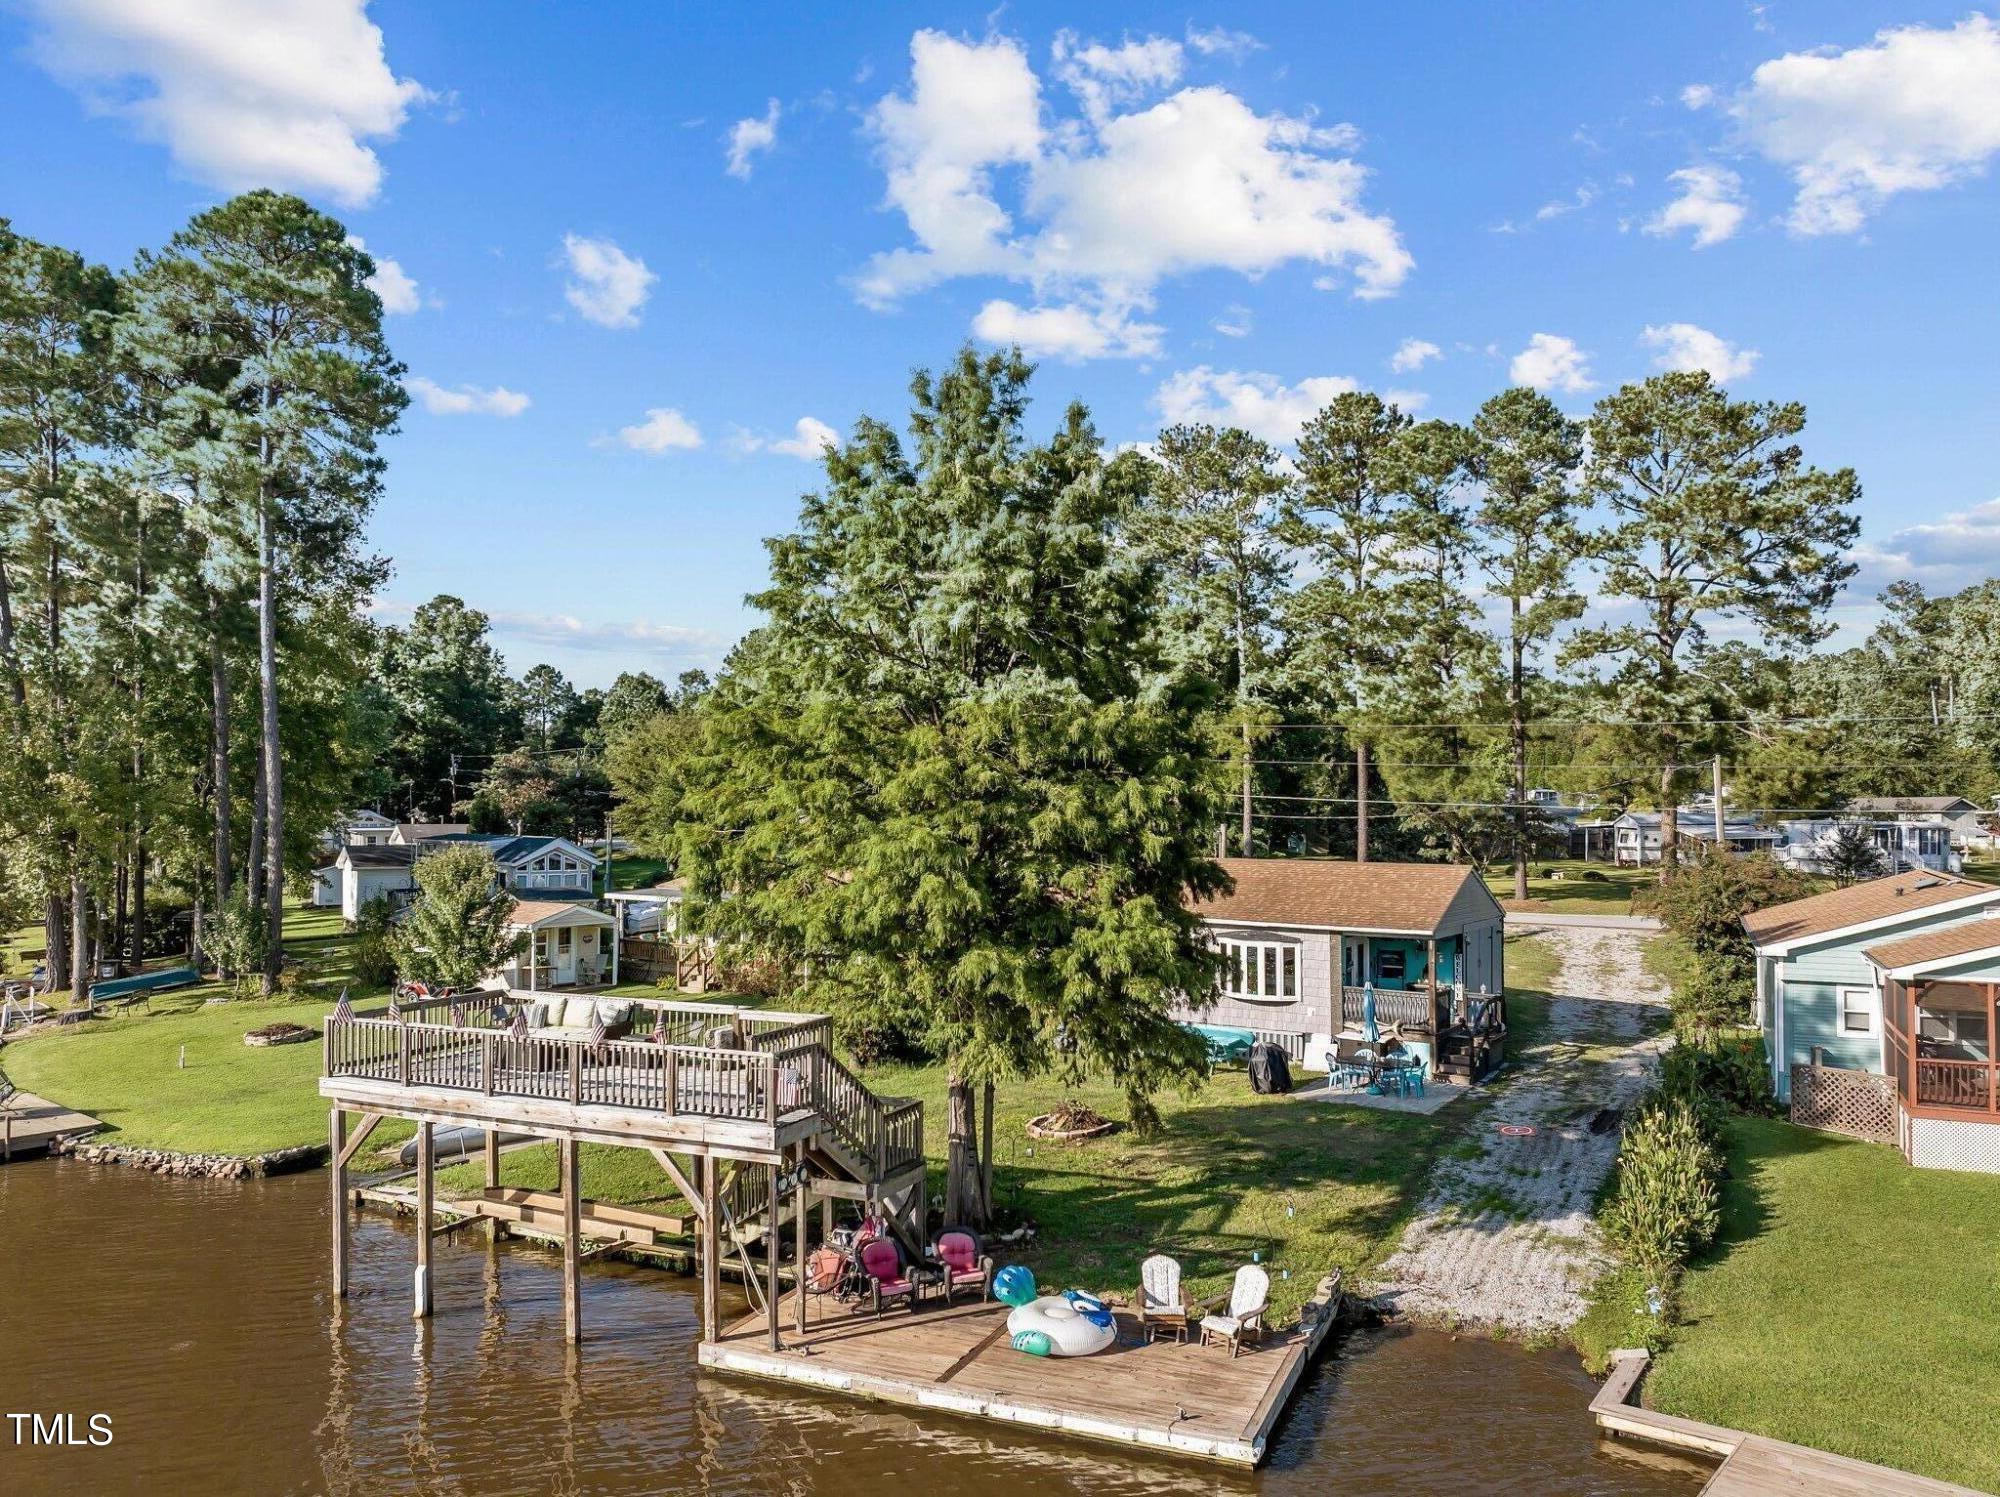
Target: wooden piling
{"type": "Point", "coordinates": [426, 1191]}
{"type": "Point", "coordinates": [572, 1197]}
{"type": "Point", "coordinates": [492, 1158]}
{"type": "Point", "coordinates": [337, 1140]}
{"type": "Point", "coordinates": [773, 1235]}
{"type": "Point", "coordinates": [800, 1204]}
{"type": "Point", "coordinates": [711, 1252]}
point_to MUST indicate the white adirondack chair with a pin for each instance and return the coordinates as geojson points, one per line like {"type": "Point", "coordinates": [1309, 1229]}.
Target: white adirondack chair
{"type": "Point", "coordinates": [1248, 1297]}
{"type": "Point", "coordinates": [1160, 1303]}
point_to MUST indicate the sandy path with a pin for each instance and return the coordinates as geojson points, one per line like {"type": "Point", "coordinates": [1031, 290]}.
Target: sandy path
{"type": "Point", "coordinates": [1503, 1237]}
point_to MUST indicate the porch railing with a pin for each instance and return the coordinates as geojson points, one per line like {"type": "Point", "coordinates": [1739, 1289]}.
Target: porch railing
{"type": "Point", "coordinates": [1413, 1008]}
{"type": "Point", "coordinates": [1958, 1083]}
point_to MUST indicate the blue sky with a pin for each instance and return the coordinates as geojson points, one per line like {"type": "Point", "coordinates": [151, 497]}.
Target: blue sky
{"type": "Point", "coordinates": [640, 251]}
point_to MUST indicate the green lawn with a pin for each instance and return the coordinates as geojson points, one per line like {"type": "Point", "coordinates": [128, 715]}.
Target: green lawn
{"type": "Point", "coordinates": [1852, 1304]}
{"type": "Point", "coordinates": [1581, 888]}
{"type": "Point", "coordinates": [1307, 1184]}
{"type": "Point", "coordinates": [180, 1076]}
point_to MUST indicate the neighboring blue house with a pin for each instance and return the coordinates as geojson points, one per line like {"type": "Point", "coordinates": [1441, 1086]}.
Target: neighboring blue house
{"type": "Point", "coordinates": [1302, 938]}
{"type": "Point", "coordinates": [1898, 977]}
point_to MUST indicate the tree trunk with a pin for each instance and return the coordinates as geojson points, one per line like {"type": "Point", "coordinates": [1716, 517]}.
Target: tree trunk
{"type": "Point", "coordinates": [79, 939]}
{"type": "Point", "coordinates": [55, 936]}
{"type": "Point", "coordinates": [1247, 842]}
{"type": "Point", "coordinates": [139, 900]}
{"type": "Point", "coordinates": [253, 863]}
{"type": "Point", "coordinates": [1360, 802]}
{"type": "Point", "coordinates": [961, 1181]}
{"type": "Point", "coordinates": [274, 773]}
{"type": "Point", "coordinates": [1517, 724]}
{"type": "Point", "coordinates": [218, 733]}
{"type": "Point", "coordinates": [121, 894]}
{"type": "Point", "coordinates": [986, 1152]}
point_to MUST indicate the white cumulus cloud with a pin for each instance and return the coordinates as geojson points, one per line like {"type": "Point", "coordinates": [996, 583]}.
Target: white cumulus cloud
{"type": "Point", "coordinates": [1093, 210]}
{"type": "Point", "coordinates": [242, 93]}
{"type": "Point", "coordinates": [465, 400]}
{"type": "Point", "coordinates": [395, 286]}
{"type": "Point", "coordinates": [1710, 203]}
{"type": "Point", "coordinates": [1262, 404]}
{"type": "Point", "coordinates": [1915, 109]}
{"type": "Point", "coordinates": [750, 138]}
{"type": "Point", "coordinates": [809, 440]}
{"type": "Point", "coordinates": [1683, 345]}
{"type": "Point", "coordinates": [1412, 354]}
{"type": "Point", "coordinates": [607, 285]}
{"type": "Point", "coordinates": [664, 430]}
{"type": "Point", "coordinates": [1550, 362]}
{"type": "Point", "coordinates": [1698, 96]}
{"type": "Point", "coordinates": [1068, 331]}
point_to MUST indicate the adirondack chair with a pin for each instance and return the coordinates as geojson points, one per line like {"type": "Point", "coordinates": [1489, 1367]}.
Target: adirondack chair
{"type": "Point", "coordinates": [1161, 1303]}
{"type": "Point", "coordinates": [1248, 1297]}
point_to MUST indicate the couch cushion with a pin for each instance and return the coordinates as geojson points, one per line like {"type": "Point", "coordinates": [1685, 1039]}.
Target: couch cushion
{"type": "Point", "coordinates": [578, 1012]}
{"type": "Point", "coordinates": [615, 1010]}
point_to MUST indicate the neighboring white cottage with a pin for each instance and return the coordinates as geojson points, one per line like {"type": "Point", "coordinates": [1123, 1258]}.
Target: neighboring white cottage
{"type": "Point", "coordinates": [532, 866]}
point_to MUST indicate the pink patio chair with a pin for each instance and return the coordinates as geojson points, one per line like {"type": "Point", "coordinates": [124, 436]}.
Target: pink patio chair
{"type": "Point", "coordinates": [965, 1265]}
{"type": "Point", "coordinates": [882, 1261]}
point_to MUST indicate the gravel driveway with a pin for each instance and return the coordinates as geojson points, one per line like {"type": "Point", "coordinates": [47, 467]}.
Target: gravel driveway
{"type": "Point", "coordinates": [1503, 1238]}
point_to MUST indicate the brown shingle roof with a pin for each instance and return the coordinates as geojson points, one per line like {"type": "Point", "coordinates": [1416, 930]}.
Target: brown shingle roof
{"type": "Point", "coordinates": [1877, 899]}
{"type": "Point", "coordinates": [1345, 896]}
{"type": "Point", "coordinates": [1980, 933]}
{"type": "Point", "coordinates": [528, 912]}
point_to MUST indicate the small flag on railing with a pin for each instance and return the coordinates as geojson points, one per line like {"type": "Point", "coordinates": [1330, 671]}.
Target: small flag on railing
{"type": "Point", "coordinates": [344, 1009]}
{"type": "Point", "coordinates": [660, 1027]}
{"type": "Point", "coordinates": [458, 1016]}
{"type": "Point", "coordinates": [596, 1026]}
{"type": "Point", "coordinates": [395, 1008]}
{"type": "Point", "coordinates": [519, 1028]}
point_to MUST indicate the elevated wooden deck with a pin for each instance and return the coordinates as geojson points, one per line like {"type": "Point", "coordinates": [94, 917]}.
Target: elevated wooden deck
{"type": "Point", "coordinates": [1187, 1399]}
{"type": "Point", "coordinates": [1752, 1466]}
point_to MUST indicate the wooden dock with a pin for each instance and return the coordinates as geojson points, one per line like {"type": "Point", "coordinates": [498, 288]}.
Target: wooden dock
{"type": "Point", "coordinates": [1186, 1399]}
{"type": "Point", "coordinates": [30, 1125]}
{"type": "Point", "coordinates": [1752, 1466]}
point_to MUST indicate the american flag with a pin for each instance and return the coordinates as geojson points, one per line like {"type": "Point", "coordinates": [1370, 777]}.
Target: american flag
{"type": "Point", "coordinates": [596, 1026]}
{"type": "Point", "coordinates": [660, 1027]}
{"type": "Point", "coordinates": [344, 1009]}
{"type": "Point", "coordinates": [395, 1008]}
{"type": "Point", "coordinates": [519, 1028]}
{"type": "Point", "coordinates": [458, 1016]}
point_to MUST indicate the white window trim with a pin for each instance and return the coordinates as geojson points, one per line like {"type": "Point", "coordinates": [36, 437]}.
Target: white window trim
{"type": "Point", "coordinates": [1297, 952]}
{"type": "Point", "coordinates": [1873, 1006]}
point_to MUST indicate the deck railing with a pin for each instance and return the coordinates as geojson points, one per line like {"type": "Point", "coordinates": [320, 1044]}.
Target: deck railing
{"type": "Point", "coordinates": [785, 1065]}
{"type": "Point", "coordinates": [1957, 1083]}
{"type": "Point", "coordinates": [1411, 1007]}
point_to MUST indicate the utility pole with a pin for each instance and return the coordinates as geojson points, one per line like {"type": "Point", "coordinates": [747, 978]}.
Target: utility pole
{"type": "Point", "coordinates": [452, 809]}
{"type": "Point", "coordinates": [1360, 802]}
{"type": "Point", "coordinates": [1721, 842]}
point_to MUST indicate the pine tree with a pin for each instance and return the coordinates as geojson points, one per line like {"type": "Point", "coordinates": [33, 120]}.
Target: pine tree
{"type": "Point", "coordinates": [951, 781]}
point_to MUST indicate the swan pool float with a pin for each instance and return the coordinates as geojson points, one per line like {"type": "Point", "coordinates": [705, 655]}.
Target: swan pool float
{"type": "Point", "coordinates": [1070, 1324]}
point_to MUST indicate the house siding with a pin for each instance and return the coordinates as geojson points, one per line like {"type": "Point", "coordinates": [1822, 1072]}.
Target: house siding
{"type": "Point", "coordinates": [1807, 986]}
{"type": "Point", "coordinates": [1310, 1014]}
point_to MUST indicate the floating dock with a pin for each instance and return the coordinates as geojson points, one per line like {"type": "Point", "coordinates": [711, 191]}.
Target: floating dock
{"type": "Point", "coordinates": [1190, 1400]}
{"type": "Point", "coordinates": [1752, 1466]}
{"type": "Point", "coordinates": [30, 1125]}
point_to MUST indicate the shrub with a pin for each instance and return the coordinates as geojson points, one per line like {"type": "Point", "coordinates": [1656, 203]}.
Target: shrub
{"type": "Point", "coordinates": [456, 932]}
{"type": "Point", "coordinates": [1729, 1067]}
{"type": "Point", "coordinates": [374, 960]}
{"type": "Point", "coordinates": [1704, 904]}
{"type": "Point", "coordinates": [1595, 876]}
{"type": "Point", "coordinates": [1668, 1202]}
{"type": "Point", "coordinates": [235, 939]}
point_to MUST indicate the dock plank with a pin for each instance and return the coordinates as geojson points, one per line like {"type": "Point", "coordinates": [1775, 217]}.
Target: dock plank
{"type": "Point", "coordinates": [1192, 1399]}
{"type": "Point", "coordinates": [1761, 1468]}
{"type": "Point", "coordinates": [30, 1124]}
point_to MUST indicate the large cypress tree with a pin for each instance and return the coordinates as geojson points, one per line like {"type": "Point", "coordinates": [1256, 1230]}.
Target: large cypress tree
{"type": "Point", "coordinates": [952, 783]}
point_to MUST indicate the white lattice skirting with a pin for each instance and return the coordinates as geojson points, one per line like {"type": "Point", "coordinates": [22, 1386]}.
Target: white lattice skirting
{"type": "Point", "coordinates": [1943, 1144]}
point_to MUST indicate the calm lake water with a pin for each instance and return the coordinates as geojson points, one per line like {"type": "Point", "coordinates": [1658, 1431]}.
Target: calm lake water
{"type": "Point", "coordinates": [196, 1315]}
